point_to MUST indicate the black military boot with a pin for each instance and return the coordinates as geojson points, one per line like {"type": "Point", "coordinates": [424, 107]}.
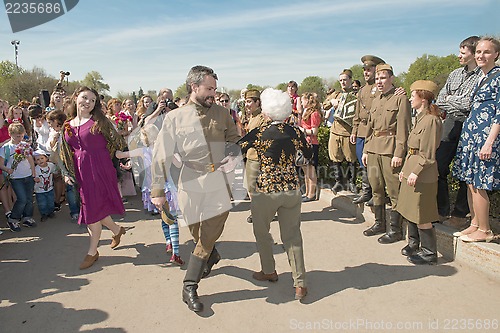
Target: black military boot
{"type": "Point", "coordinates": [212, 260]}
{"type": "Point", "coordinates": [194, 271]}
{"type": "Point", "coordinates": [351, 182]}
{"type": "Point", "coordinates": [366, 190]}
{"type": "Point", "coordinates": [428, 248]}
{"type": "Point", "coordinates": [337, 174]}
{"type": "Point", "coordinates": [413, 240]}
{"type": "Point", "coordinates": [379, 226]}
{"type": "Point", "coordinates": [395, 230]}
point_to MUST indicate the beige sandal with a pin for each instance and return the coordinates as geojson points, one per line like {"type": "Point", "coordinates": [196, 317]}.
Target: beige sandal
{"type": "Point", "coordinates": [461, 233]}
{"type": "Point", "coordinates": [489, 237]}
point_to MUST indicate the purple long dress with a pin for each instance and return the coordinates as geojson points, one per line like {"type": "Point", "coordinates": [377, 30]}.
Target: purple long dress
{"type": "Point", "coordinates": [95, 175]}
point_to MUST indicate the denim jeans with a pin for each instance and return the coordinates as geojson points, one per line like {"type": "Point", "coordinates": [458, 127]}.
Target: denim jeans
{"type": "Point", "coordinates": [23, 206]}
{"type": "Point", "coordinates": [45, 202]}
{"type": "Point", "coordinates": [72, 199]}
{"type": "Point", "coordinates": [360, 144]}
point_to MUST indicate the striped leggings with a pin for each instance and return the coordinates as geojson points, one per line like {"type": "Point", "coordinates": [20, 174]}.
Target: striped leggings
{"type": "Point", "coordinates": [171, 233]}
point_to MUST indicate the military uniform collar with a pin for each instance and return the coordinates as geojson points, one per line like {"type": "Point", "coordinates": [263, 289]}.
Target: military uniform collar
{"type": "Point", "coordinates": [420, 115]}
{"type": "Point", "coordinates": [390, 92]}
{"type": "Point", "coordinates": [256, 112]}
{"type": "Point", "coordinates": [199, 109]}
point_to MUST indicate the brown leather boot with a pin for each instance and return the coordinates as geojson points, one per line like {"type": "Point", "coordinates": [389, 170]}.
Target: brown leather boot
{"type": "Point", "coordinates": [89, 260]}
{"type": "Point", "coordinates": [261, 276]}
{"type": "Point", "coordinates": [116, 238]}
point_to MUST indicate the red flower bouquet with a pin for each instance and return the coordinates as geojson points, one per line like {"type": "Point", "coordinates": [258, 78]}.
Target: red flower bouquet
{"type": "Point", "coordinates": [121, 120]}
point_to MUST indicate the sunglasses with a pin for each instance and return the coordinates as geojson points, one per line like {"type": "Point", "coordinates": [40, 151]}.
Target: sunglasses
{"type": "Point", "coordinates": [224, 100]}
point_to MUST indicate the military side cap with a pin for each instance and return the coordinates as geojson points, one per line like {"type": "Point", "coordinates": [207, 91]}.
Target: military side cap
{"type": "Point", "coordinates": [371, 60]}
{"type": "Point", "coordinates": [384, 67]}
{"type": "Point", "coordinates": [347, 72]}
{"type": "Point", "coordinates": [252, 93]}
{"type": "Point", "coordinates": [425, 85]}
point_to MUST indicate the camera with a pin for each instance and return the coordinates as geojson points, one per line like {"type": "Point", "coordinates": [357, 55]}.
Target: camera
{"type": "Point", "coordinates": [170, 104]}
{"type": "Point", "coordinates": [64, 73]}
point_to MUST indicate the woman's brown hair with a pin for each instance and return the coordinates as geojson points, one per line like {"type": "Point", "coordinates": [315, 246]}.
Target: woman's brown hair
{"type": "Point", "coordinates": [102, 123]}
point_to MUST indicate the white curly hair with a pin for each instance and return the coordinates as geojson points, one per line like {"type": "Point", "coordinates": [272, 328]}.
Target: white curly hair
{"type": "Point", "coordinates": [275, 104]}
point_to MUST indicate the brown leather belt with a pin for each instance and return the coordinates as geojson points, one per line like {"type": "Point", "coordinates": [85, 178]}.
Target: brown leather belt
{"type": "Point", "coordinates": [413, 151]}
{"type": "Point", "coordinates": [202, 167]}
{"type": "Point", "coordinates": [384, 133]}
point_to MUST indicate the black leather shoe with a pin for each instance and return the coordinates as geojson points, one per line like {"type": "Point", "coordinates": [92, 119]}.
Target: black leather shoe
{"type": "Point", "coordinates": [423, 258]}
{"type": "Point", "coordinates": [376, 229]}
{"type": "Point", "coordinates": [190, 297]}
{"type": "Point", "coordinates": [364, 197]}
{"type": "Point", "coordinates": [390, 237]}
{"type": "Point", "coordinates": [337, 187]}
{"type": "Point", "coordinates": [369, 203]}
{"type": "Point", "coordinates": [409, 250]}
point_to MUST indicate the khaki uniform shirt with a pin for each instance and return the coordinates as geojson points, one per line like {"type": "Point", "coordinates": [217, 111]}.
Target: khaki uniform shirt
{"type": "Point", "coordinates": [338, 127]}
{"type": "Point", "coordinates": [256, 120]}
{"type": "Point", "coordinates": [199, 135]}
{"type": "Point", "coordinates": [389, 123]}
{"type": "Point", "coordinates": [423, 142]}
{"type": "Point", "coordinates": [366, 96]}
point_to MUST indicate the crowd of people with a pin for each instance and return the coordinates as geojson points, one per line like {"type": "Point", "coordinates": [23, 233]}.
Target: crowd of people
{"type": "Point", "coordinates": [181, 154]}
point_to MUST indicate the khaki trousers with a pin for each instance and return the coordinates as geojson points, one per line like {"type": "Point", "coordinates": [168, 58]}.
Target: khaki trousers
{"type": "Point", "coordinates": [252, 169]}
{"type": "Point", "coordinates": [287, 205]}
{"type": "Point", "coordinates": [383, 177]}
{"type": "Point", "coordinates": [205, 214]}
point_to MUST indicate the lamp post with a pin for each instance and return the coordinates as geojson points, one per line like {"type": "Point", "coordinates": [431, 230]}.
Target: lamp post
{"type": "Point", "coordinates": [16, 53]}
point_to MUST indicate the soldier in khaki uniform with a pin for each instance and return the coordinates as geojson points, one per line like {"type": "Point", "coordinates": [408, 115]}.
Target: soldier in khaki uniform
{"type": "Point", "coordinates": [389, 123]}
{"type": "Point", "coordinates": [255, 119]}
{"type": "Point", "coordinates": [200, 132]}
{"type": "Point", "coordinates": [359, 123]}
{"type": "Point", "coordinates": [417, 197]}
{"type": "Point", "coordinates": [339, 146]}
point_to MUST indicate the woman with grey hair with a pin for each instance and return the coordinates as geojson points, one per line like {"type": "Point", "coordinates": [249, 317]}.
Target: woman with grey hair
{"type": "Point", "coordinates": [277, 188]}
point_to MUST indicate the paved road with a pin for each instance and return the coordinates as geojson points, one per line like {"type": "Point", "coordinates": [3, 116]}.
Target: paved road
{"type": "Point", "coordinates": [355, 284]}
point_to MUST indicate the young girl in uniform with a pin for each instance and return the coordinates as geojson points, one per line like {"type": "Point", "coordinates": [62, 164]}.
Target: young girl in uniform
{"type": "Point", "coordinates": [417, 195]}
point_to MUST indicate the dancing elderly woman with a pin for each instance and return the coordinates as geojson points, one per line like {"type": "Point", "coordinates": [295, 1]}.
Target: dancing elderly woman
{"type": "Point", "coordinates": [88, 144]}
{"type": "Point", "coordinates": [277, 189]}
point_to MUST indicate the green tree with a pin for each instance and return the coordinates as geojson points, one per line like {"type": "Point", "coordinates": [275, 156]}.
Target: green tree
{"type": "Point", "coordinates": [313, 84]}
{"type": "Point", "coordinates": [282, 86]}
{"type": "Point", "coordinates": [429, 67]}
{"type": "Point", "coordinates": [254, 86]}
{"type": "Point", "coordinates": [140, 93]}
{"type": "Point", "coordinates": [181, 91]}
{"type": "Point", "coordinates": [93, 80]}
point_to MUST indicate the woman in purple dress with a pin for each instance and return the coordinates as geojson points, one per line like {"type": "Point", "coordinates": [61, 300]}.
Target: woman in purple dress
{"type": "Point", "coordinates": [89, 141]}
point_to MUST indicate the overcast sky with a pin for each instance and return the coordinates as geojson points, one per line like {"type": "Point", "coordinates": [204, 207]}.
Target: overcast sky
{"type": "Point", "coordinates": [153, 43]}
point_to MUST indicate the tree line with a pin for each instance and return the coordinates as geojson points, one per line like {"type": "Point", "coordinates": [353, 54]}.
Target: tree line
{"type": "Point", "coordinates": [17, 83]}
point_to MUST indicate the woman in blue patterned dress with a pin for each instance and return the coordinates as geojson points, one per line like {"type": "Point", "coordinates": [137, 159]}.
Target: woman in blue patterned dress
{"type": "Point", "coordinates": [478, 154]}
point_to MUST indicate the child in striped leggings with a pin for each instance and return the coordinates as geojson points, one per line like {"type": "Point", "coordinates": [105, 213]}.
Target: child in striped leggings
{"type": "Point", "coordinates": [170, 225]}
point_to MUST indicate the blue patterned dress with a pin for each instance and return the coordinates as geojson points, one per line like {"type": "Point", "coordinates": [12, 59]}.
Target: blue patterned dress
{"type": "Point", "coordinates": [485, 112]}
